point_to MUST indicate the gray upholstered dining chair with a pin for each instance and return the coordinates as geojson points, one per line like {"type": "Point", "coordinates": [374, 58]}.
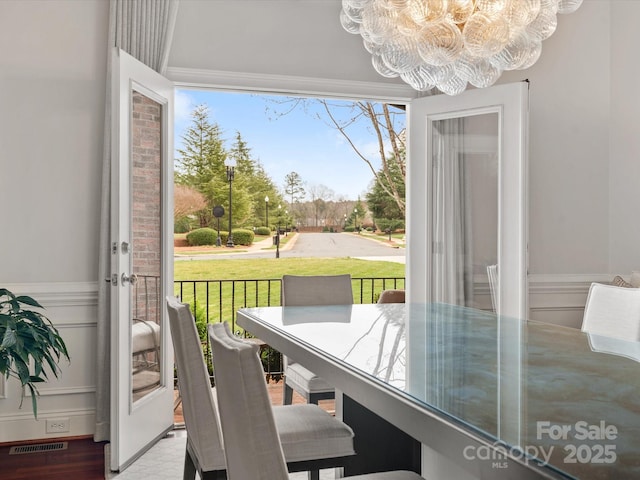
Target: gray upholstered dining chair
{"type": "Point", "coordinates": [249, 422]}
{"type": "Point", "coordinates": [305, 449]}
{"type": "Point", "coordinates": [306, 290]}
{"type": "Point", "coordinates": [204, 445]}
{"type": "Point", "coordinates": [612, 311]}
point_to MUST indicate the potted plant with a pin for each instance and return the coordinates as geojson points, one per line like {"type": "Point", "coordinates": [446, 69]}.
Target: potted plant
{"type": "Point", "coordinates": [29, 343]}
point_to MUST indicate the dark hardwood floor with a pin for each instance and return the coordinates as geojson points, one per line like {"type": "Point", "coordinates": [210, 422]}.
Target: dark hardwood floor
{"type": "Point", "coordinates": [83, 459]}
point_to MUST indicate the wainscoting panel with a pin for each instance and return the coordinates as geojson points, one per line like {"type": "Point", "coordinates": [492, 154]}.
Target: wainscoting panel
{"type": "Point", "coordinates": [72, 307]}
{"type": "Point", "coordinates": [560, 299]}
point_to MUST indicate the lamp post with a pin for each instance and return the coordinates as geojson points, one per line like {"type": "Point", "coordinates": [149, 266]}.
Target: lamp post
{"type": "Point", "coordinates": [344, 225]}
{"type": "Point", "coordinates": [286, 222]}
{"type": "Point", "coordinates": [266, 211]}
{"type": "Point", "coordinates": [355, 210]}
{"type": "Point", "coordinates": [278, 234]}
{"type": "Point", "coordinates": [230, 163]}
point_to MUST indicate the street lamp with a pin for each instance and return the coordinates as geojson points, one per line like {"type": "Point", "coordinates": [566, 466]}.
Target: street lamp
{"type": "Point", "coordinates": [355, 210]}
{"type": "Point", "coordinates": [266, 210]}
{"type": "Point", "coordinates": [286, 222]}
{"type": "Point", "coordinates": [230, 163]}
{"type": "Point", "coordinates": [344, 225]}
{"type": "Point", "coordinates": [278, 233]}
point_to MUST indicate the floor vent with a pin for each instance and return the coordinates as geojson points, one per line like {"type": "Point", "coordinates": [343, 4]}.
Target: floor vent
{"type": "Point", "coordinates": [38, 448]}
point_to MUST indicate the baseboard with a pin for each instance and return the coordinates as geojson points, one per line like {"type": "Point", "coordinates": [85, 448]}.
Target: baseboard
{"type": "Point", "coordinates": [22, 427]}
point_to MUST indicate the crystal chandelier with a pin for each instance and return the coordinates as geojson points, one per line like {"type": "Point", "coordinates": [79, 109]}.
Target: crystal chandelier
{"type": "Point", "coordinates": [449, 43]}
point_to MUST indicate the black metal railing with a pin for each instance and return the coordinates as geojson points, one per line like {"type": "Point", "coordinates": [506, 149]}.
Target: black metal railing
{"type": "Point", "coordinates": [214, 301]}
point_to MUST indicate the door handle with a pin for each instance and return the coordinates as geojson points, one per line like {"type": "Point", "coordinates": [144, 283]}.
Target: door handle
{"type": "Point", "coordinates": [132, 279]}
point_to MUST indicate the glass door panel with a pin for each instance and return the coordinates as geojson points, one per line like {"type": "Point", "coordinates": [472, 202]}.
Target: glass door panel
{"type": "Point", "coordinates": [464, 207]}
{"type": "Point", "coordinates": [146, 239]}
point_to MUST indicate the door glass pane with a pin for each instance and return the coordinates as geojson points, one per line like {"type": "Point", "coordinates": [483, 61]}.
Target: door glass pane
{"type": "Point", "coordinates": [464, 208]}
{"type": "Point", "coordinates": [146, 249]}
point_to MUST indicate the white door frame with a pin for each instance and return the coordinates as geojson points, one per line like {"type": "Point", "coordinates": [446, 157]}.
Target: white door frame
{"type": "Point", "coordinates": [135, 427]}
{"type": "Point", "coordinates": [510, 101]}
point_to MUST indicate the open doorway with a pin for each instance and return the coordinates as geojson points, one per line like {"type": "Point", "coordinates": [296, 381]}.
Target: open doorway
{"type": "Point", "coordinates": [300, 167]}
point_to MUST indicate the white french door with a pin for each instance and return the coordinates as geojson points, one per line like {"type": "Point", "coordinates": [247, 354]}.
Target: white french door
{"type": "Point", "coordinates": [467, 198]}
{"type": "Point", "coordinates": [142, 266]}
{"type": "Point", "coordinates": [467, 211]}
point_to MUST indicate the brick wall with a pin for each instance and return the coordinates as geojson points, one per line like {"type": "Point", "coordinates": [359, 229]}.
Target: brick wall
{"type": "Point", "coordinates": [146, 228]}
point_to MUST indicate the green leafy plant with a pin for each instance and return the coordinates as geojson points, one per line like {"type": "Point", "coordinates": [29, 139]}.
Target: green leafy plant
{"type": "Point", "coordinates": [242, 236]}
{"type": "Point", "coordinates": [202, 236]}
{"type": "Point", "coordinates": [30, 343]}
{"type": "Point", "coordinates": [262, 231]}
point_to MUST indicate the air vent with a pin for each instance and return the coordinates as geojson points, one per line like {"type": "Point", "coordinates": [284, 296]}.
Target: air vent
{"type": "Point", "coordinates": [38, 448]}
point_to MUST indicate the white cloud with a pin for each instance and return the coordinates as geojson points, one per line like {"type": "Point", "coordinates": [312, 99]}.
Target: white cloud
{"type": "Point", "coordinates": [183, 106]}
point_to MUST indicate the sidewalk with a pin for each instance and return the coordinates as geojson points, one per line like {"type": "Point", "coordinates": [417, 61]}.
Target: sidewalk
{"type": "Point", "coordinates": [268, 243]}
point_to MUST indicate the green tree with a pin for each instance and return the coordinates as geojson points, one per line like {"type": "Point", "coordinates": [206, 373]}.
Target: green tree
{"type": "Point", "coordinates": [381, 204]}
{"type": "Point", "coordinates": [295, 192]}
{"type": "Point", "coordinates": [203, 154]}
{"type": "Point", "coordinates": [358, 214]}
{"type": "Point", "coordinates": [294, 187]}
{"type": "Point", "coordinates": [257, 184]}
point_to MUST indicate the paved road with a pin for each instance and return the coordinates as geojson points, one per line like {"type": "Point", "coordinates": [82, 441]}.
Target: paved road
{"type": "Point", "coordinates": [323, 245]}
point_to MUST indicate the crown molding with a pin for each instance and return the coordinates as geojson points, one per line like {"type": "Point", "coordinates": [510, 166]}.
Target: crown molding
{"type": "Point", "coordinates": [286, 84]}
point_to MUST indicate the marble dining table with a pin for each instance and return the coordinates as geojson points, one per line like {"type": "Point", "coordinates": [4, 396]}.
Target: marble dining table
{"type": "Point", "coordinates": [492, 396]}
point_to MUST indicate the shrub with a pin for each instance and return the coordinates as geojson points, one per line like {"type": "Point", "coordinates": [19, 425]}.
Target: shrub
{"type": "Point", "coordinates": [181, 225]}
{"type": "Point", "coordinates": [202, 236]}
{"type": "Point", "coordinates": [385, 224]}
{"type": "Point", "coordinates": [263, 231]}
{"type": "Point", "coordinates": [242, 237]}
{"type": "Point", "coordinates": [201, 321]}
{"type": "Point", "coordinates": [349, 228]}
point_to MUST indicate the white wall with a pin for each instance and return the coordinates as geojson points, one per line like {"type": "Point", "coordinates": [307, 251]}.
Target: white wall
{"type": "Point", "coordinates": [279, 37]}
{"type": "Point", "coordinates": [51, 129]}
{"type": "Point", "coordinates": [52, 90]}
{"type": "Point", "coordinates": [624, 139]}
{"type": "Point", "coordinates": [583, 162]}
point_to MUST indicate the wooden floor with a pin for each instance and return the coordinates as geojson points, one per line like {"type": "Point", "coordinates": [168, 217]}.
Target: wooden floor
{"type": "Point", "coordinates": [84, 458]}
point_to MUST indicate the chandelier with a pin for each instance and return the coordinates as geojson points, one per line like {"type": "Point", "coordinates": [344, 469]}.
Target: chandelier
{"type": "Point", "coordinates": [447, 44]}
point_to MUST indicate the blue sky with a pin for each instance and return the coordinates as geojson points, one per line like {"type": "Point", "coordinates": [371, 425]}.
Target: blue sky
{"type": "Point", "coordinates": [294, 142]}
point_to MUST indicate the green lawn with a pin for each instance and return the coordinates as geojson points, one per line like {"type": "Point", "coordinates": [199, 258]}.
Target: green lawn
{"type": "Point", "coordinates": [218, 301]}
{"type": "Point", "coordinates": [240, 269]}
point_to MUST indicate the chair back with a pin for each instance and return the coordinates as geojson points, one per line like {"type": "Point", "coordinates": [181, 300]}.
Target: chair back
{"type": "Point", "coordinates": [200, 414]}
{"type": "Point", "coordinates": [308, 290]}
{"type": "Point", "coordinates": [253, 449]}
{"type": "Point", "coordinates": [492, 274]}
{"type": "Point", "coordinates": [391, 296]}
{"type": "Point", "coordinates": [612, 311]}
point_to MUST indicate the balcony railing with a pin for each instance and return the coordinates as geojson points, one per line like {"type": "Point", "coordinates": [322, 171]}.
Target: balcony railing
{"type": "Point", "coordinates": [214, 301]}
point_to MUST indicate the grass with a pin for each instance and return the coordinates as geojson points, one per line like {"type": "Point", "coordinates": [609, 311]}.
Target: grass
{"type": "Point", "coordinates": [218, 301]}
{"type": "Point", "coordinates": [240, 269]}
{"type": "Point", "coordinates": [384, 238]}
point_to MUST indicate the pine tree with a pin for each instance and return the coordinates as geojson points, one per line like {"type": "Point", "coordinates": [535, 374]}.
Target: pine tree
{"type": "Point", "coordinates": [202, 157]}
{"type": "Point", "coordinates": [293, 187]}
